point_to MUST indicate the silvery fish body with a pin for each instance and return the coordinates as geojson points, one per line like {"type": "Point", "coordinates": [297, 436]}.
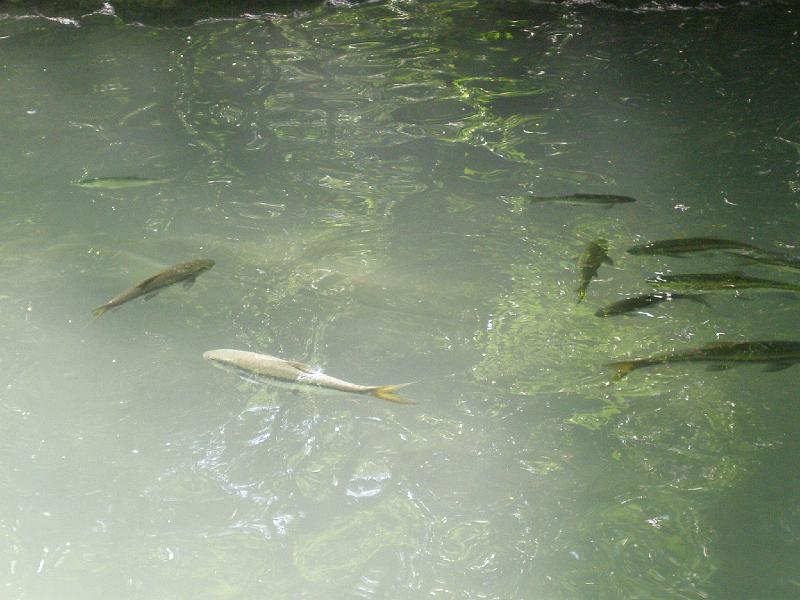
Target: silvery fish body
{"type": "Point", "coordinates": [272, 367]}
{"type": "Point", "coordinates": [632, 304]}
{"type": "Point", "coordinates": [778, 354]}
{"type": "Point", "coordinates": [607, 200]}
{"type": "Point", "coordinates": [717, 281]}
{"type": "Point", "coordinates": [186, 272]}
{"type": "Point", "coordinates": [685, 245]}
{"type": "Point", "coordinates": [117, 183]}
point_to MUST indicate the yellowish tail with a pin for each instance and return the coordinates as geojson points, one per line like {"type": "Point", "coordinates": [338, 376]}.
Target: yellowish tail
{"type": "Point", "coordinates": [623, 367]}
{"type": "Point", "coordinates": [99, 310]}
{"type": "Point", "coordinates": [387, 392]}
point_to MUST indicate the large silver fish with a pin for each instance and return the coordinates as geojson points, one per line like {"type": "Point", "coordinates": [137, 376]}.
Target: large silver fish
{"type": "Point", "coordinates": [289, 371]}
{"type": "Point", "coordinates": [186, 272]}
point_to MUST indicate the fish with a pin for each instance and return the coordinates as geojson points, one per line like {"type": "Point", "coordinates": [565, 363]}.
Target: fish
{"type": "Point", "coordinates": [631, 304]}
{"type": "Point", "coordinates": [595, 254]}
{"type": "Point", "coordinates": [778, 355]}
{"type": "Point", "coordinates": [773, 258]}
{"type": "Point", "coordinates": [607, 200]}
{"type": "Point", "coordinates": [185, 272]}
{"type": "Point", "coordinates": [717, 281]}
{"type": "Point", "coordinates": [680, 246]}
{"type": "Point", "coordinates": [117, 183]}
{"type": "Point", "coordinates": [289, 371]}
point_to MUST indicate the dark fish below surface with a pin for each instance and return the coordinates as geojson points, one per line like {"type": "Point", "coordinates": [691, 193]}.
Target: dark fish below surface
{"type": "Point", "coordinates": [607, 200]}
{"type": "Point", "coordinates": [778, 354]}
{"type": "Point", "coordinates": [117, 183]}
{"type": "Point", "coordinates": [185, 272]}
{"type": "Point", "coordinates": [717, 281]}
{"type": "Point", "coordinates": [631, 304]}
{"type": "Point", "coordinates": [679, 246]}
{"type": "Point", "coordinates": [288, 371]}
{"type": "Point", "coordinates": [595, 254]}
{"type": "Point", "coordinates": [772, 259]}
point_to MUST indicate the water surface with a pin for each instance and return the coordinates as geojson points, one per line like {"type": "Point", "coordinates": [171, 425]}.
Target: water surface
{"type": "Point", "coordinates": [361, 177]}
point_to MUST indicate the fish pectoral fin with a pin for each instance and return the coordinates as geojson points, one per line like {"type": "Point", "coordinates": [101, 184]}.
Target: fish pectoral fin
{"type": "Point", "coordinates": [151, 295]}
{"type": "Point", "coordinates": [300, 366]}
{"type": "Point", "coordinates": [248, 377]}
{"type": "Point", "coordinates": [189, 282]}
{"type": "Point", "coordinates": [778, 366]}
{"type": "Point", "coordinates": [607, 260]}
{"type": "Point", "coordinates": [719, 367]}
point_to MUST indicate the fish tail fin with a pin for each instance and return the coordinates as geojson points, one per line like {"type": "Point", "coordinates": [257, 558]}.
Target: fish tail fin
{"type": "Point", "coordinates": [99, 310]}
{"type": "Point", "coordinates": [387, 392]}
{"type": "Point", "coordinates": [622, 367]}
{"type": "Point", "coordinates": [581, 295]}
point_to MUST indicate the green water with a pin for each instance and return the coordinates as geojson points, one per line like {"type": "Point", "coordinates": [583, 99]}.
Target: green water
{"type": "Point", "coordinates": [360, 176]}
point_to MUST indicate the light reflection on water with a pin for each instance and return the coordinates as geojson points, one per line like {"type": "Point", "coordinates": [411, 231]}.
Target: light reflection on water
{"type": "Point", "coordinates": [360, 175]}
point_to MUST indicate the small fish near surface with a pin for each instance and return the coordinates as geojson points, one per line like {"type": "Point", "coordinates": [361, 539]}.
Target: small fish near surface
{"type": "Point", "coordinates": [717, 281]}
{"type": "Point", "coordinates": [117, 183]}
{"type": "Point", "coordinates": [595, 254]}
{"type": "Point", "coordinates": [288, 371]}
{"type": "Point", "coordinates": [607, 200]}
{"type": "Point", "coordinates": [778, 355]}
{"type": "Point", "coordinates": [679, 246]}
{"type": "Point", "coordinates": [632, 304]}
{"type": "Point", "coordinates": [185, 272]}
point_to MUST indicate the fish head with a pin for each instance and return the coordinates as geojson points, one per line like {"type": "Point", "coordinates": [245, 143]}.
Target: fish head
{"type": "Point", "coordinates": [223, 357]}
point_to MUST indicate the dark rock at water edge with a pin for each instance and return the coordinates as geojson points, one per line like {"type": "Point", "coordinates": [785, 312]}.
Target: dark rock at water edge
{"type": "Point", "coordinates": [183, 12]}
{"type": "Point", "coordinates": [164, 12]}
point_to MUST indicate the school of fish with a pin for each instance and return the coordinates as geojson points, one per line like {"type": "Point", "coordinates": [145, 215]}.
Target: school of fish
{"type": "Point", "coordinates": [777, 354]}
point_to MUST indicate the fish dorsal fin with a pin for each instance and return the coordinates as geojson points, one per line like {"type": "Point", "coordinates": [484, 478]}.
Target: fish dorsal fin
{"type": "Point", "coordinates": [143, 284]}
{"type": "Point", "coordinates": [300, 366]}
